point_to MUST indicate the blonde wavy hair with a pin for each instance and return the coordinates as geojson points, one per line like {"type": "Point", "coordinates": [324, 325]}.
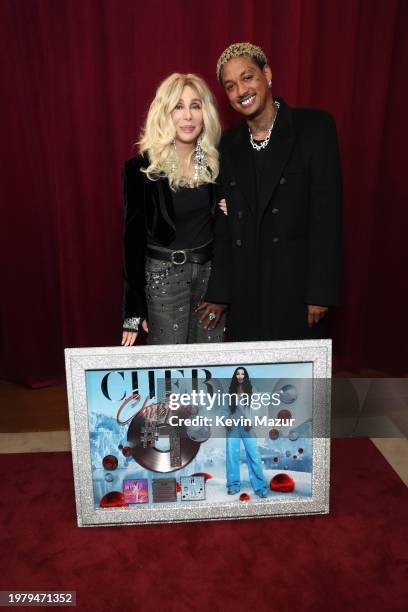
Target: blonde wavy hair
{"type": "Point", "coordinates": [159, 132]}
{"type": "Point", "coordinates": [238, 50]}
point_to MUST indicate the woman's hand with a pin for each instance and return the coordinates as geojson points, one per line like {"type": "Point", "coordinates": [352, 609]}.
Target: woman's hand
{"type": "Point", "coordinates": [212, 314]}
{"type": "Point", "coordinates": [129, 337]}
{"type": "Point", "coordinates": [223, 206]}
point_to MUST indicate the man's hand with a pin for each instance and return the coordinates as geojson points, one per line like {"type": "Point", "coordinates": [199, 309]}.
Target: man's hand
{"type": "Point", "coordinates": [212, 314]}
{"type": "Point", "coordinates": [129, 337]}
{"type": "Point", "coordinates": [315, 314]}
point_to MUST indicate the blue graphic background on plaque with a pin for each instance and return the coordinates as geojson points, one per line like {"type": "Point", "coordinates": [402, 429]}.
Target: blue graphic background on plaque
{"type": "Point", "coordinates": [289, 452]}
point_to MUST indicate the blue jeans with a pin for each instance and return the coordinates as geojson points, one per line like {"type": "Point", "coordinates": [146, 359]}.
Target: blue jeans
{"type": "Point", "coordinates": [254, 462]}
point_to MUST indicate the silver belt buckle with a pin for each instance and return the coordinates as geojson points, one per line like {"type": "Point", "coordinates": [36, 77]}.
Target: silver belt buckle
{"type": "Point", "coordinates": [175, 259]}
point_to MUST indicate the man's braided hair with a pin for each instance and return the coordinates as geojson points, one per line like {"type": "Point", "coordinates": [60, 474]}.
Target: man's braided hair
{"type": "Point", "coordinates": [238, 50]}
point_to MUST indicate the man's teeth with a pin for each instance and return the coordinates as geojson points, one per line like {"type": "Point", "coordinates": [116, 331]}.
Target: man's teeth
{"type": "Point", "coordinates": [247, 101]}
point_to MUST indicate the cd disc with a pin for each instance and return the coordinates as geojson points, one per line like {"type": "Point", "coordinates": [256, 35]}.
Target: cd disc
{"type": "Point", "coordinates": [181, 451]}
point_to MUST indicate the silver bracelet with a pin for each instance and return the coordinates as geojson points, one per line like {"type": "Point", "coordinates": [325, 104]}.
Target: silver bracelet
{"type": "Point", "coordinates": [131, 324]}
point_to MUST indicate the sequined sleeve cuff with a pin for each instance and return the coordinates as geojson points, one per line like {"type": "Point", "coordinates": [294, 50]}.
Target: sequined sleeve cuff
{"type": "Point", "coordinates": [131, 324]}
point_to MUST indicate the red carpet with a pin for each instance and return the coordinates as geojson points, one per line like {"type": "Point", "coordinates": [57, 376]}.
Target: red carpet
{"type": "Point", "coordinates": [355, 559]}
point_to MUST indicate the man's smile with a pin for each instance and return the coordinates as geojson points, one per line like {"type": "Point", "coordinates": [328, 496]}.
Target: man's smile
{"type": "Point", "coordinates": [247, 100]}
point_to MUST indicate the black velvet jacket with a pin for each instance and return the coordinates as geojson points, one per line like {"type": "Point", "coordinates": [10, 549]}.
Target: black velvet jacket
{"type": "Point", "coordinates": [149, 217]}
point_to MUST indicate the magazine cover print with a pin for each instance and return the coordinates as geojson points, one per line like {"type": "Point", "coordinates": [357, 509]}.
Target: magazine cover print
{"type": "Point", "coordinates": [201, 434]}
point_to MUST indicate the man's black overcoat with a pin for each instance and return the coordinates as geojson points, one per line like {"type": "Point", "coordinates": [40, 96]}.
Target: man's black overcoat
{"type": "Point", "coordinates": [279, 247]}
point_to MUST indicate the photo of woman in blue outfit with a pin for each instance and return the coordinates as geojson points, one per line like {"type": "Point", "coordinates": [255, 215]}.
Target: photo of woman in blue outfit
{"type": "Point", "coordinates": [240, 388]}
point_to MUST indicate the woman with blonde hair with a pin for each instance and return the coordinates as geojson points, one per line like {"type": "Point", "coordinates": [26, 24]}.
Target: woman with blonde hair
{"type": "Point", "coordinates": [170, 202]}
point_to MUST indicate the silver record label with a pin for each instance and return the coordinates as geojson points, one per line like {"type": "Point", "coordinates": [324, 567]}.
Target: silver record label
{"type": "Point", "coordinates": [158, 446]}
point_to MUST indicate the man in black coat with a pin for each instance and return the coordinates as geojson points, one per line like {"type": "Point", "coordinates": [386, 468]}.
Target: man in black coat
{"type": "Point", "coordinates": [277, 248]}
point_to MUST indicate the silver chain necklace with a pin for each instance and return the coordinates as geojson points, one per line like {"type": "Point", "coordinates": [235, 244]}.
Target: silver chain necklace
{"type": "Point", "coordinates": [265, 141]}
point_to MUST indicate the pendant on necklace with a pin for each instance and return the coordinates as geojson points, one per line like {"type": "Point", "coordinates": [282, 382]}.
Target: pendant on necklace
{"type": "Point", "coordinates": [265, 142]}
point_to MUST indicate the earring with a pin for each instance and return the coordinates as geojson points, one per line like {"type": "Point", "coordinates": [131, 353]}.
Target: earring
{"type": "Point", "coordinates": [173, 163]}
{"type": "Point", "coordinates": [269, 84]}
{"type": "Point", "coordinates": [199, 160]}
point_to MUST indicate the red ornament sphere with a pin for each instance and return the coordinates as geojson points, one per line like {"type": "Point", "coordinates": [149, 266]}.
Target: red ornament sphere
{"type": "Point", "coordinates": [282, 483]}
{"type": "Point", "coordinates": [244, 497]}
{"type": "Point", "coordinates": [113, 499]}
{"type": "Point", "coordinates": [284, 414]}
{"type": "Point", "coordinates": [276, 459]}
{"type": "Point", "coordinates": [300, 451]}
{"type": "Point", "coordinates": [274, 434]}
{"type": "Point", "coordinates": [127, 451]}
{"type": "Point", "coordinates": [110, 462]}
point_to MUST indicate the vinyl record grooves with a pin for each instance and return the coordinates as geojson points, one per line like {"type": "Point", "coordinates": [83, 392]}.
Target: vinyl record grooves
{"type": "Point", "coordinates": [154, 459]}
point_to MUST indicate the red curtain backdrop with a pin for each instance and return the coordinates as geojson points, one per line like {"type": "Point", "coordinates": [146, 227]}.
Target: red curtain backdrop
{"type": "Point", "coordinates": [77, 78]}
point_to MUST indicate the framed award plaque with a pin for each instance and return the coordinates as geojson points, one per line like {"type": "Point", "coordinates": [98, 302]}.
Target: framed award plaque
{"type": "Point", "coordinates": [200, 432]}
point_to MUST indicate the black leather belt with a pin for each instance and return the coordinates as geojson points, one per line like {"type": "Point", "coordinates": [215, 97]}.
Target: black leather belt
{"type": "Point", "coordinates": [178, 257]}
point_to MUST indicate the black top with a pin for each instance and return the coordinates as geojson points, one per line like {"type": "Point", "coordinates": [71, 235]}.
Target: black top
{"type": "Point", "coordinates": [259, 162]}
{"type": "Point", "coordinates": [192, 215]}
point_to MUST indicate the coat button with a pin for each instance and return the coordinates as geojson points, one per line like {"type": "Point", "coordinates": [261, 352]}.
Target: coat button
{"type": "Point", "coordinates": [240, 213]}
{"type": "Point", "coordinates": [238, 242]}
{"type": "Point", "coordinates": [275, 239]}
{"type": "Point", "coordinates": [275, 211]}
{"type": "Point", "coordinates": [282, 180]}
{"type": "Point", "coordinates": [233, 183]}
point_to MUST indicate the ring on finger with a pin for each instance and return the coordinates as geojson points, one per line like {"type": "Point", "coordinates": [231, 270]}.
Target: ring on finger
{"type": "Point", "coordinates": [212, 316]}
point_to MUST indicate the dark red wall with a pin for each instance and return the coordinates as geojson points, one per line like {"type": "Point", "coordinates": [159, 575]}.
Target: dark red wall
{"type": "Point", "coordinates": [77, 78]}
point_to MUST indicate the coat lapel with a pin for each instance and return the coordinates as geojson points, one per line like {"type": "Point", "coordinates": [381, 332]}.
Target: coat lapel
{"type": "Point", "coordinates": [159, 210]}
{"type": "Point", "coordinates": [277, 154]}
{"type": "Point", "coordinates": [243, 164]}
{"type": "Point", "coordinates": [278, 151]}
